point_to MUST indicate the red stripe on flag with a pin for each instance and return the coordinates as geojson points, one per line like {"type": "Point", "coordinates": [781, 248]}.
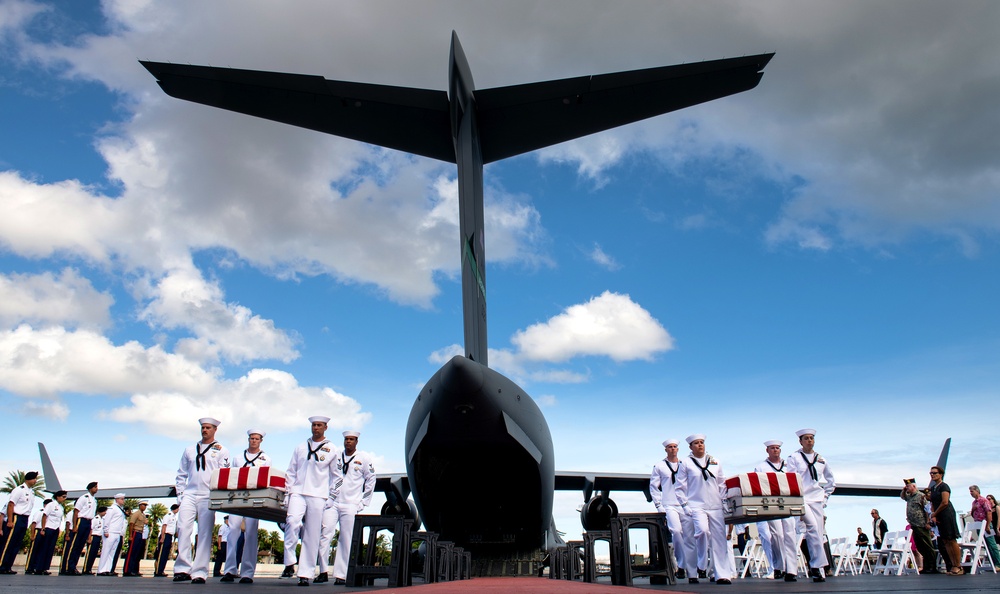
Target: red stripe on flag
{"type": "Point", "coordinates": [793, 485]}
{"type": "Point", "coordinates": [754, 480]}
{"type": "Point", "coordinates": [733, 482]}
{"type": "Point", "coordinates": [772, 481]}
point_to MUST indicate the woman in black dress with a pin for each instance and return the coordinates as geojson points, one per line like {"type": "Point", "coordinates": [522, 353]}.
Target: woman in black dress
{"type": "Point", "coordinates": [943, 516]}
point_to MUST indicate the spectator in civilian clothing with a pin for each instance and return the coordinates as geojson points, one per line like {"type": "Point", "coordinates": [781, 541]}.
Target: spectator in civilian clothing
{"type": "Point", "coordinates": [879, 528]}
{"type": "Point", "coordinates": [983, 512]}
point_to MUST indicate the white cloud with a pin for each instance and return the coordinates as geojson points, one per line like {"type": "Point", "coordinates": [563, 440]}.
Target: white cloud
{"type": "Point", "coordinates": [45, 409]}
{"type": "Point", "coordinates": [547, 400]}
{"type": "Point", "coordinates": [229, 331]}
{"type": "Point", "coordinates": [610, 325]}
{"type": "Point", "coordinates": [54, 360]}
{"type": "Point", "coordinates": [602, 259]}
{"type": "Point", "coordinates": [43, 299]}
{"type": "Point", "coordinates": [263, 397]}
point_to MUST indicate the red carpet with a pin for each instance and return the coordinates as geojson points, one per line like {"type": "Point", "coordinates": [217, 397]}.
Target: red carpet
{"type": "Point", "coordinates": [518, 585]}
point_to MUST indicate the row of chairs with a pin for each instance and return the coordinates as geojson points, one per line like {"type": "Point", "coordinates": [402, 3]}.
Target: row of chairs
{"type": "Point", "coordinates": [442, 560]}
{"type": "Point", "coordinates": [565, 561]}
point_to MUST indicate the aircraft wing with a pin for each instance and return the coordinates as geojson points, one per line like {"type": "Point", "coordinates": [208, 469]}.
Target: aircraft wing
{"type": "Point", "coordinates": [589, 482]}
{"type": "Point", "coordinates": [511, 120]}
{"type": "Point", "coordinates": [52, 484]}
{"type": "Point", "coordinates": [521, 118]}
{"type": "Point", "coordinates": [402, 118]}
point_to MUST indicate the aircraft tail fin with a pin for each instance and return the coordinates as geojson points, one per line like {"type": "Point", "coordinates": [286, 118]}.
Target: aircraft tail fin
{"type": "Point", "coordinates": [942, 461]}
{"type": "Point", "coordinates": [48, 471]}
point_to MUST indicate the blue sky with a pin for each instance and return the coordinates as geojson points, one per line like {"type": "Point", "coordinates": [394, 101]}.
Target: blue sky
{"type": "Point", "coordinates": [821, 251]}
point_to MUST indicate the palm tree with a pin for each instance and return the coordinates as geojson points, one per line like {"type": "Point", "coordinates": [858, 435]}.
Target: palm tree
{"type": "Point", "coordinates": [156, 513]}
{"type": "Point", "coordinates": [16, 477]}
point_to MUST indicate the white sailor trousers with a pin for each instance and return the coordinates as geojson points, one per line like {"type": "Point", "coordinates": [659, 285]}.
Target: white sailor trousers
{"type": "Point", "coordinates": [342, 515]}
{"type": "Point", "coordinates": [675, 523]}
{"type": "Point", "coordinates": [248, 563]}
{"type": "Point", "coordinates": [194, 508]}
{"type": "Point", "coordinates": [710, 531]}
{"type": "Point", "coordinates": [784, 541]}
{"type": "Point", "coordinates": [815, 527]}
{"type": "Point", "coordinates": [108, 553]}
{"type": "Point", "coordinates": [306, 514]}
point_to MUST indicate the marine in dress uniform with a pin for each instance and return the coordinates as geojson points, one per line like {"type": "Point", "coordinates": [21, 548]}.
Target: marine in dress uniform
{"type": "Point", "coordinates": [137, 542]}
{"type": "Point", "coordinates": [307, 482]}
{"type": "Point", "coordinates": [19, 505]}
{"type": "Point", "coordinates": [94, 541]}
{"type": "Point", "coordinates": [193, 477]}
{"type": "Point", "coordinates": [701, 487]}
{"type": "Point", "coordinates": [76, 537]}
{"type": "Point", "coordinates": [253, 456]}
{"type": "Point", "coordinates": [778, 537]}
{"type": "Point", "coordinates": [351, 492]}
{"type": "Point", "coordinates": [817, 483]}
{"type": "Point", "coordinates": [52, 520]}
{"type": "Point", "coordinates": [662, 483]}
{"type": "Point", "coordinates": [165, 541]}
{"type": "Point", "coordinates": [115, 524]}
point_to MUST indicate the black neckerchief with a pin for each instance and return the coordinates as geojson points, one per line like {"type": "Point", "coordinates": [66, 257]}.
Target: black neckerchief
{"type": "Point", "coordinates": [673, 471]}
{"type": "Point", "coordinates": [344, 461]}
{"type": "Point", "coordinates": [312, 453]}
{"type": "Point", "coordinates": [199, 460]}
{"type": "Point", "coordinates": [705, 472]}
{"type": "Point", "coordinates": [812, 465]}
{"type": "Point", "coordinates": [779, 469]}
{"type": "Point", "coordinates": [250, 462]}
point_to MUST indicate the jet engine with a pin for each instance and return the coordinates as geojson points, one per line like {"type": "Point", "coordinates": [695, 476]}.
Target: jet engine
{"type": "Point", "coordinates": [597, 513]}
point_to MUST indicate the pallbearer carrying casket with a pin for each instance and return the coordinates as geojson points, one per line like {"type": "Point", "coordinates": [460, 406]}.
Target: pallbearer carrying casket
{"type": "Point", "coordinates": [778, 537]}
{"type": "Point", "coordinates": [701, 487]}
{"type": "Point", "coordinates": [817, 483]}
{"type": "Point", "coordinates": [253, 457]}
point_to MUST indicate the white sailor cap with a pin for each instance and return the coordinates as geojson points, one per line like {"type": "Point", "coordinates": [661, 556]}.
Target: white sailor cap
{"type": "Point", "coordinates": [772, 442]}
{"type": "Point", "coordinates": [209, 421]}
{"type": "Point", "coordinates": [319, 419]}
{"type": "Point", "coordinates": [144, 502]}
{"type": "Point", "coordinates": [257, 431]}
{"type": "Point", "coordinates": [671, 441]}
{"type": "Point", "coordinates": [695, 437]}
{"type": "Point", "coordinates": [119, 496]}
{"type": "Point", "coordinates": [352, 434]}
{"type": "Point", "coordinates": [802, 432]}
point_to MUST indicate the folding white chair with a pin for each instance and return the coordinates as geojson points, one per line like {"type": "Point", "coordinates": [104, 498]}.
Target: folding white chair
{"type": "Point", "coordinates": [843, 559]}
{"type": "Point", "coordinates": [743, 559]}
{"type": "Point", "coordinates": [900, 555]}
{"type": "Point", "coordinates": [862, 560]}
{"type": "Point", "coordinates": [973, 547]}
{"type": "Point", "coordinates": [882, 555]}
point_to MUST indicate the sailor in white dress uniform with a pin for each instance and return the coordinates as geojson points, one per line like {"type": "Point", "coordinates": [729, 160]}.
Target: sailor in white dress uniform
{"type": "Point", "coordinates": [778, 537]}
{"type": "Point", "coordinates": [114, 524]}
{"type": "Point", "coordinates": [253, 457]}
{"type": "Point", "coordinates": [307, 482]}
{"type": "Point", "coordinates": [701, 487]}
{"type": "Point", "coordinates": [662, 484]}
{"type": "Point", "coordinates": [193, 477]}
{"type": "Point", "coordinates": [350, 492]}
{"type": "Point", "coordinates": [817, 483]}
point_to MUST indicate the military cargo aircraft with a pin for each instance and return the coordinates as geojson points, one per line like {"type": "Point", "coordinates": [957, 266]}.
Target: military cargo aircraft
{"type": "Point", "coordinates": [468, 412]}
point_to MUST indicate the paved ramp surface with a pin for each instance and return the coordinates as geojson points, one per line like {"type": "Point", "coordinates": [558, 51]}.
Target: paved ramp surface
{"type": "Point", "coordinates": [940, 584]}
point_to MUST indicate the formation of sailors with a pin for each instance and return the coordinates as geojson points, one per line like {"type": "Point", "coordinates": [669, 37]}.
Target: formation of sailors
{"type": "Point", "coordinates": [326, 486]}
{"type": "Point", "coordinates": [690, 492]}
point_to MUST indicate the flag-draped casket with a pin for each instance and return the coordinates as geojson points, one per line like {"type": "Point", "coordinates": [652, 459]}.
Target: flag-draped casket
{"type": "Point", "coordinates": [759, 496]}
{"type": "Point", "coordinates": [254, 492]}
